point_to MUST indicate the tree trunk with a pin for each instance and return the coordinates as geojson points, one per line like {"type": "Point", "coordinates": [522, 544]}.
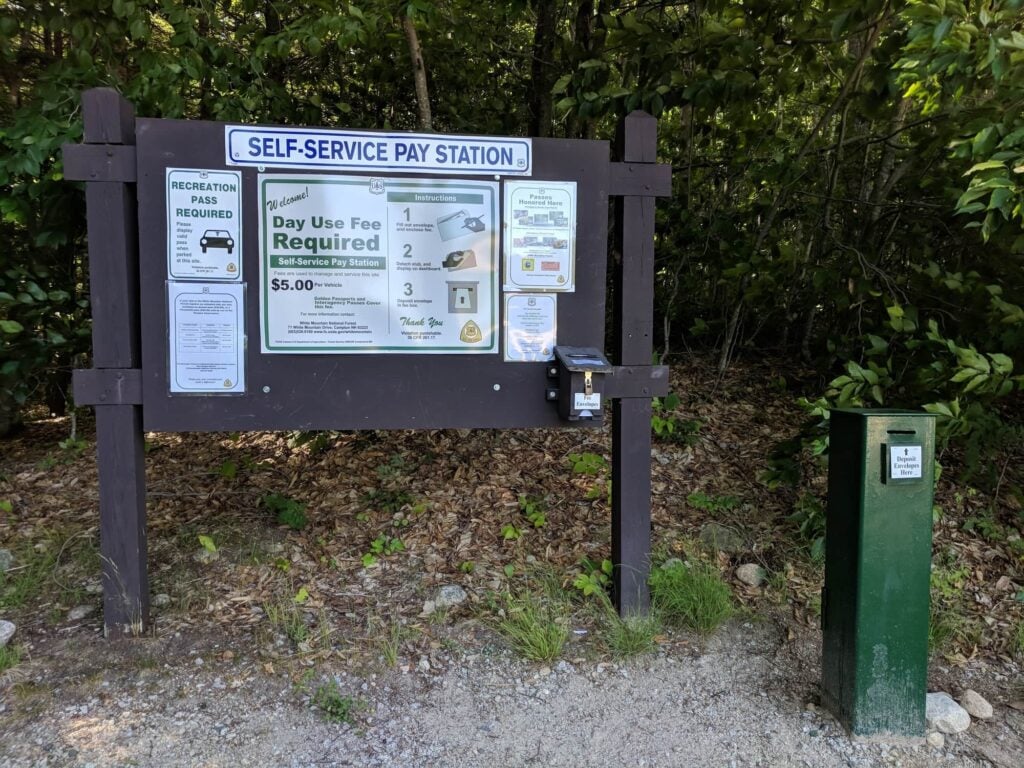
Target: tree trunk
{"type": "Point", "coordinates": [542, 68]}
{"type": "Point", "coordinates": [419, 73]}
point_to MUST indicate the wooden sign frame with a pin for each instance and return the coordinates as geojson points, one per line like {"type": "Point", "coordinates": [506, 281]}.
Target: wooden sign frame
{"type": "Point", "coordinates": [124, 161]}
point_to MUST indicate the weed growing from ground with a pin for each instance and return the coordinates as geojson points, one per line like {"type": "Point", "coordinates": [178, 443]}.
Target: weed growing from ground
{"type": "Point", "coordinates": [381, 546]}
{"type": "Point", "coordinates": [533, 510]}
{"type": "Point", "coordinates": [631, 635]}
{"type": "Point", "coordinates": [21, 585]}
{"type": "Point", "coordinates": [691, 595]}
{"type": "Point", "coordinates": [1017, 640]}
{"type": "Point", "coordinates": [289, 619]}
{"type": "Point", "coordinates": [10, 655]}
{"type": "Point", "coordinates": [595, 578]}
{"type": "Point", "coordinates": [712, 504]}
{"type": "Point", "coordinates": [333, 704]}
{"type": "Point", "coordinates": [535, 626]}
{"type": "Point", "coordinates": [288, 511]}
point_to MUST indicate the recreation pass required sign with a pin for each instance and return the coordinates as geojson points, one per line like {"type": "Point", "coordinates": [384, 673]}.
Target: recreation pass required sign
{"type": "Point", "coordinates": [360, 150]}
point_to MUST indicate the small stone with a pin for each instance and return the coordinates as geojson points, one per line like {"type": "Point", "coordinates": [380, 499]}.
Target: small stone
{"type": "Point", "coordinates": [6, 560]}
{"type": "Point", "coordinates": [449, 596]}
{"type": "Point", "coordinates": [161, 601]}
{"type": "Point", "coordinates": [79, 612]}
{"type": "Point", "coordinates": [544, 671]}
{"type": "Point", "coordinates": [205, 555]}
{"type": "Point", "coordinates": [7, 630]}
{"type": "Point", "coordinates": [944, 714]}
{"type": "Point", "coordinates": [976, 705]}
{"type": "Point", "coordinates": [722, 538]}
{"type": "Point", "coordinates": [94, 588]}
{"type": "Point", "coordinates": [751, 574]}
{"type": "Point", "coordinates": [672, 562]}
{"type": "Point", "coordinates": [424, 664]}
{"type": "Point", "coordinates": [936, 740]}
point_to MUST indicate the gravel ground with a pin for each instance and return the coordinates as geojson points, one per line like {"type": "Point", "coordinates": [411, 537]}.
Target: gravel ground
{"type": "Point", "coordinates": [746, 698]}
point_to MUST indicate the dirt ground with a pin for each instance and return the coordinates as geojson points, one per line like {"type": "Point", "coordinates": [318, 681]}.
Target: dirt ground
{"type": "Point", "coordinates": [255, 618]}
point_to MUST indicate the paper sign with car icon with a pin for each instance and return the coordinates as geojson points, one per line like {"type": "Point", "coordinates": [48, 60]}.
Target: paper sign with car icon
{"type": "Point", "coordinates": [217, 238]}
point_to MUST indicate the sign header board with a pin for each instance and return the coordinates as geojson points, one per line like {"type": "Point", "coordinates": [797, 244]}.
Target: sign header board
{"type": "Point", "coordinates": [324, 149]}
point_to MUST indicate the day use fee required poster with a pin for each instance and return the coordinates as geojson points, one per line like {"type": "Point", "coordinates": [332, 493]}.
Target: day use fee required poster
{"type": "Point", "coordinates": [383, 265]}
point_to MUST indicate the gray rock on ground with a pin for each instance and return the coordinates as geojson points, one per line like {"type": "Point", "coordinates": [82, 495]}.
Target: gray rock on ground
{"type": "Point", "coordinates": [6, 560]}
{"type": "Point", "coordinates": [722, 538]}
{"type": "Point", "coordinates": [751, 574]}
{"type": "Point", "coordinates": [936, 740]}
{"type": "Point", "coordinates": [206, 556]}
{"type": "Point", "coordinates": [447, 597]}
{"type": "Point", "coordinates": [945, 715]}
{"type": "Point", "coordinates": [79, 612]}
{"type": "Point", "coordinates": [161, 600]}
{"type": "Point", "coordinates": [7, 630]}
{"type": "Point", "coordinates": [976, 705]}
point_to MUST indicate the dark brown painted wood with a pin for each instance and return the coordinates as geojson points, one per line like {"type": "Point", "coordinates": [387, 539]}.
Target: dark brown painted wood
{"type": "Point", "coordinates": [119, 446]}
{"type": "Point", "coordinates": [108, 118]}
{"type": "Point", "coordinates": [114, 289]}
{"type": "Point", "coordinates": [359, 391]}
{"type": "Point", "coordinates": [628, 381]}
{"type": "Point", "coordinates": [99, 162]}
{"type": "Point", "coordinates": [639, 179]}
{"type": "Point", "coordinates": [108, 386]}
{"type": "Point", "coordinates": [631, 419]}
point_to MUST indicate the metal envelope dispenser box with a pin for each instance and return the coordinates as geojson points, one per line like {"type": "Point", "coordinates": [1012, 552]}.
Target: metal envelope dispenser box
{"type": "Point", "coordinates": [581, 379]}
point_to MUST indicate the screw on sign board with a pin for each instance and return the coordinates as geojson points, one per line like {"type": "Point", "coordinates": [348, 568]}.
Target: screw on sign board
{"type": "Point", "coordinates": [424, 280]}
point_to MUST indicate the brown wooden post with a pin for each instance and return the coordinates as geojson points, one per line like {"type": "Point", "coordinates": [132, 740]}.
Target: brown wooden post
{"type": "Point", "coordinates": [107, 167]}
{"type": "Point", "coordinates": [634, 324]}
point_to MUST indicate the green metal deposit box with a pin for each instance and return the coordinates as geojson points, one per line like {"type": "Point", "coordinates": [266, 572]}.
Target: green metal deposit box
{"type": "Point", "coordinates": [878, 548]}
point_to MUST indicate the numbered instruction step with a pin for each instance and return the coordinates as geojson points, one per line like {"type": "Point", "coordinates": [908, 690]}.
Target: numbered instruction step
{"type": "Point", "coordinates": [351, 265]}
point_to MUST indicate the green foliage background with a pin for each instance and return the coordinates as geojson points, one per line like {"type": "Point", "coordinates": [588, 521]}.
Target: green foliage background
{"type": "Point", "coordinates": [847, 175]}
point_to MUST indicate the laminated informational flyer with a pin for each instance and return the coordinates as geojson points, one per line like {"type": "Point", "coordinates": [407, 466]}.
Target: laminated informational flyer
{"type": "Point", "coordinates": [204, 224]}
{"type": "Point", "coordinates": [540, 236]}
{"type": "Point", "coordinates": [530, 326]}
{"type": "Point", "coordinates": [207, 337]}
{"type": "Point", "coordinates": [383, 265]}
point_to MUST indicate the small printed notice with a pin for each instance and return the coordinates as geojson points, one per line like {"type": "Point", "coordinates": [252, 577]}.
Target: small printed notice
{"type": "Point", "coordinates": [584, 402]}
{"type": "Point", "coordinates": [204, 224]}
{"type": "Point", "coordinates": [383, 265]}
{"type": "Point", "coordinates": [540, 236]}
{"type": "Point", "coordinates": [530, 326]}
{"type": "Point", "coordinates": [207, 337]}
{"type": "Point", "coordinates": [905, 462]}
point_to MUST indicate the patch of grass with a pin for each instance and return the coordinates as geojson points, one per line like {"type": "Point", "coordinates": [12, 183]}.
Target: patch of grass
{"type": "Point", "coordinates": [1017, 639]}
{"type": "Point", "coordinates": [536, 626]}
{"type": "Point", "coordinates": [19, 586]}
{"type": "Point", "coordinates": [285, 616]}
{"type": "Point", "coordinates": [389, 638]}
{"type": "Point", "coordinates": [10, 656]}
{"type": "Point", "coordinates": [692, 596]}
{"type": "Point", "coordinates": [333, 704]}
{"type": "Point", "coordinates": [631, 635]}
{"type": "Point", "coordinates": [944, 627]}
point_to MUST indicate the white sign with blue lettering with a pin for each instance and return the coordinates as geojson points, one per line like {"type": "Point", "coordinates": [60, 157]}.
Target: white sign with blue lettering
{"type": "Point", "coordinates": [324, 149]}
